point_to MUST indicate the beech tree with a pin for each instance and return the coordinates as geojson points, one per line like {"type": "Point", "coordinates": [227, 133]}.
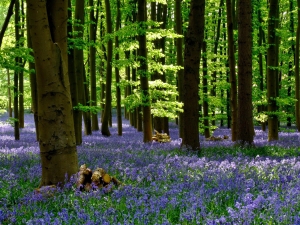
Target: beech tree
{"type": "Point", "coordinates": [245, 131]}
{"type": "Point", "coordinates": [193, 43]}
{"type": "Point", "coordinates": [48, 30]}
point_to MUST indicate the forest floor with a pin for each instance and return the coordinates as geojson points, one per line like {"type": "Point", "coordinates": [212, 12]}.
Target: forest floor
{"type": "Point", "coordinates": [163, 183]}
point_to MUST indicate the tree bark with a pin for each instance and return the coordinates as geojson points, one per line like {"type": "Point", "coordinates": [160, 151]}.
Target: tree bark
{"type": "Point", "coordinates": [16, 74]}
{"type": "Point", "coordinates": [179, 60]}
{"type": "Point", "coordinates": [232, 76]}
{"type": "Point", "coordinates": [297, 79]}
{"type": "Point", "coordinates": [205, 93]}
{"type": "Point", "coordinates": [93, 101]}
{"type": "Point", "coordinates": [193, 43]}
{"type": "Point", "coordinates": [107, 109]}
{"type": "Point", "coordinates": [143, 72]}
{"type": "Point", "coordinates": [118, 89]}
{"type": "Point", "coordinates": [48, 29]}
{"type": "Point", "coordinates": [272, 71]}
{"type": "Point", "coordinates": [6, 21]}
{"type": "Point", "coordinates": [245, 116]}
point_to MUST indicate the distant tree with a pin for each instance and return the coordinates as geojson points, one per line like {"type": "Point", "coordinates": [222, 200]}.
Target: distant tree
{"type": "Point", "coordinates": [48, 30]}
{"type": "Point", "coordinates": [272, 70]}
{"type": "Point", "coordinates": [193, 43]}
{"type": "Point", "coordinates": [245, 131]}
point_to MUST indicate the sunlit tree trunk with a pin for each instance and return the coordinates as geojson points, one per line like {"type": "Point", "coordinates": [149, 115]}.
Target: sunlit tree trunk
{"type": "Point", "coordinates": [272, 71]}
{"type": "Point", "coordinates": [232, 75]}
{"type": "Point", "coordinates": [48, 29]}
{"type": "Point", "coordinates": [193, 43]}
{"type": "Point", "coordinates": [143, 72]}
{"type": "Point", "coordinates": [107, 109]}
{"type": "Point", "coordinates": [245, 117]}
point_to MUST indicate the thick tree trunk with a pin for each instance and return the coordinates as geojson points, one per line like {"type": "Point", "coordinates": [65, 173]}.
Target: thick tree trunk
{"type": "Point", "coordinates": [179, 60]}
{"type": "Point", "coordinates": [107, 109]}
{"type": "Point", "coordinates": [232, 76]}
{"type": "Point", "coordinates": [272, 71]}
{"type": "Point", "coordinates": [48, 29]}
{"type": "Point", "coordinates": [194, 41]}
{"type": "Point", "coordinates": [245, 116]}
{"type": "Point", "coordinates": [117, 73]}
{"type": "Point", "coordinates": [143, 72]}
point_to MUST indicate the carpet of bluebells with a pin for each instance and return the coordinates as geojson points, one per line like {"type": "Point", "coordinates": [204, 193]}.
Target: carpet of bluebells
{"type": "Point", "coordinates": [164, 184]}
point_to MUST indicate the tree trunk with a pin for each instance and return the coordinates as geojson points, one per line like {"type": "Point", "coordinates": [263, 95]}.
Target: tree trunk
{"type": "Point", "coordinates": [6, 21]}
{"type": "Point", "coordinates": [93, 101]}
{"type": "Point", "coordinates": [48, 29]}
{"type": "Point", "coordinates": [78, 65]}
{"type": "Point", "coordinates": [232, 76]}
{"type": "Point", "coordinates": [193, 43]}
{"type": "Point", "coordinates": [245, 117]}
{"type": "Point", "coordinates": [143, 72]}
{"type": "Point", "coordinates": [9, 108]}
{"type": "Point", "coordinates": [297, 80]}
{"type": "Point", "coordinates": [272, 72]}
{"type": "Point", "coordinates": [16, 74]}
{"type": "Point", "coordinates": [107, 109]}
{"type": "Point", "coordinates": [179, 60]}
{"type": "Point", "coordinates": [33, 84]}
{"type": "Point", "coordinates": [205, 93]}
{"type": "Point", "coordinates": [118, 89]}
{"type": "Point", "coordinates": [87, 114]}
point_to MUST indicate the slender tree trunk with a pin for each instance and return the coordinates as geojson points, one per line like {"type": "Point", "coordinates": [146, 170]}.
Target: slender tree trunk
{"type": "Point", "coordinates": [33, 84]}
{"type": "Point", "coordinates": [73, 81]}
{"type": "Point", "coordinates": [272, 72]}
{"type": "Point", "coordinates": [93, 101]}
{"type": "Point", "coordinates": [179, 59]}
{"type": "Point", "coordinates": [291, 62]}
{"type": "Point", "coordinates": [10, 12]}
{"type": "Point", "coordinates": [87, 114]}
{"type": "Point", "coordinates": [297, 80]}
{"type": "Point", "coordinates": [9, 108]}
{"type": "Point", "coordinates": [143, 72]}
{"type": "Point", "coordinates": [232, 76]}
{"type": "Point", "coordinates": [194, 41]}
{"type": "Point", "coordinates": [16, 74]}
{"type": "Point", "coordinates": [245, 116]}
{"type": "Point", "coordinates": [205, 92]}
{"type": "Point", "coordinates": [118, 89]}
{"type": "Point", "coordinates": [78, 65]}
{"type": "Point", "coordinates": [48, 29]}
{"type": "Point", "coordinates": [107, 109]}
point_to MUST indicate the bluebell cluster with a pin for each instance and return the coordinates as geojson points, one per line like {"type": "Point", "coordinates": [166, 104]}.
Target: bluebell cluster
{"type": "Point", "coordinates": [163, 185]}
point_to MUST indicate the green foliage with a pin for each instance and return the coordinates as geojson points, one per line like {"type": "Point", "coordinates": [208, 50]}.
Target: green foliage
{"type": "Point", "coordinates": [87, 108]}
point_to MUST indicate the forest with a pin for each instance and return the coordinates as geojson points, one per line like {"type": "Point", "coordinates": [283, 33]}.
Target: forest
{"type": "Point", "coordinates": [186, 111]}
